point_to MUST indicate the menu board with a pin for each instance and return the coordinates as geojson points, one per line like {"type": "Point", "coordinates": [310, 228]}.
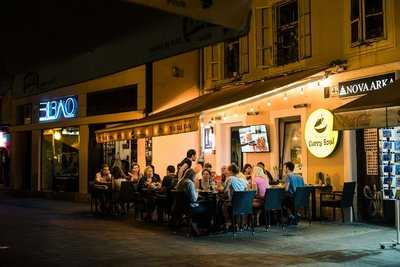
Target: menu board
{"type": "Point", "coordinates": [389, 157]}
{"type": "Point", "coordinates": [371, 151]}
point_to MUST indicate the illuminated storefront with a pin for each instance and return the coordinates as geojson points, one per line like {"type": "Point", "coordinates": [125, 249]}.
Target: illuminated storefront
{"type": "Point", "coordinates": [53, 142]}
{"type": "Point", "coordinates": [60, 159]}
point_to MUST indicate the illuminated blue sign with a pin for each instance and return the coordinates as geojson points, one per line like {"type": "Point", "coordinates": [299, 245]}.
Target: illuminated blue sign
{"type": "Point", "coordinates": [66, 107]}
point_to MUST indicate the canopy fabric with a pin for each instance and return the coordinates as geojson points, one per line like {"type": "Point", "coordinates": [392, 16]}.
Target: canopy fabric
{"type": "Point", "coordinates": [228, 13]}
{"type": "Point", "coordinates": [193, 108]}
{"type": "Point", "coordinates": [377, 109]}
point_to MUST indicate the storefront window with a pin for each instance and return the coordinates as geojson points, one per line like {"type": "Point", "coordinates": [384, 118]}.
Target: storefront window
{"type": "Point", "coordinates": [123, 151]}
{"type": "Point", "coordinates": [290, 143]}
{"type": "Point", "coordinates": [60, 159]}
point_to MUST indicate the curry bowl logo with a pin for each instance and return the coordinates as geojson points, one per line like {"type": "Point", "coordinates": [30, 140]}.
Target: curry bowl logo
{"type": "Point", "coordinates": [320, 125]}
{"type": "Point", "coordinates": [319, 135]}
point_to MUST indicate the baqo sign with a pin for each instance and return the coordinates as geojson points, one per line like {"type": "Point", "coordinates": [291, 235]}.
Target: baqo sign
{"type": "Point", "coordinates": [320, 137]}
{"type": "Point", "coordinates": [62, 108]}
{"type": "Point", "coordinates": [363, 86]}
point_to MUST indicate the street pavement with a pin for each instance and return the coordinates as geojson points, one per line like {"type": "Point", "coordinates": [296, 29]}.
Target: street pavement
{"type": "Point", "coordinates": [38, 232]}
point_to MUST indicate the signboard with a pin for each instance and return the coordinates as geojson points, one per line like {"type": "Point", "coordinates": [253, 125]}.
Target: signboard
{"type": "Point", "coordinates": [157, 129]}
{"type": "Point", "coordinates": [62, 108]}
{"type": "Point", "coordinates": [228, 13]}
{"type": "Point", "coordinates": [363, 86]}
{"type": "Point", "coordinates": [320, 137]}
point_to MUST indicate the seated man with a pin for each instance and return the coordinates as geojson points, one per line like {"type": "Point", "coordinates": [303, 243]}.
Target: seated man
{"type": "Point", "coordinates": [293, 181]}
{"type": "Point", "coordinates": [104, 176]}
{"type": "Point", "coordinates": [233, 184]}
{"type": "Point", "coordinates": [200, 213]}
{"type": "Point", "coordinates": [170, 180]}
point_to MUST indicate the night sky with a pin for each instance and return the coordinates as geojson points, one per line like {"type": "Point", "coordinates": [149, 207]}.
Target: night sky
{"type": "Point", "coordinates": [37, 32]}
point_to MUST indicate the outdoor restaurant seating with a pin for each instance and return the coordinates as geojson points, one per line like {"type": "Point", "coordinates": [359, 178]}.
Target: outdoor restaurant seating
{"type": "Point", "coordinates": [128, 195]}
{"type": "Point", "coordinates": [337, 199]}
{"type": "Point", "coordinates": [181, 212]}
{"type": "Point", "coordinates": [302, 200]}
{"type": "Point", "coordinates": [273, 202]}
{"type": "Point", "coordinates": [173, 205]}
{"type": "Point", "coordinates": [242, 205]}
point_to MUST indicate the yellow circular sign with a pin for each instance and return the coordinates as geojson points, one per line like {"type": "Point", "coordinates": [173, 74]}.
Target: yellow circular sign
{"type": "Point", "coordinates": [320, 137]}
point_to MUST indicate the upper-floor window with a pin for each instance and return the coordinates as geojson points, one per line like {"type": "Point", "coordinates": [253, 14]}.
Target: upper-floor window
{"type": "Point", "coordinates": [116, 100]}
{"type": "Point", "coordinates": [367, 21]}
{"type": "Point", "coordinates": [231, 58]}
{"type": "Point", "coordinates": [283, 33]}
{"type": "Point", "coordinates": [287, 44]}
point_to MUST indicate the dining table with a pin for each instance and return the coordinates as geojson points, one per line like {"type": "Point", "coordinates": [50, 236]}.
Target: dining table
{"type": "Point", "coordinates": [313, 193]}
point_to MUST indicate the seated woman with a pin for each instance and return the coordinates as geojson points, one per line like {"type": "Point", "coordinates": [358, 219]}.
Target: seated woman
{"type": "Point", "coordinates": [149, 181]}
{"type": "Point", "coordinates": [260, 183]}
{"type": "Point", "coordinates": [248, 171]}
{"type": "Point", "coordinates": [119, 177]}
{"type": "Point", "coordinates": [134, 173]}
{"type": "Point", "coordinates": [200, 212]}
{"type": "Point", "coordinates": [207, 182]}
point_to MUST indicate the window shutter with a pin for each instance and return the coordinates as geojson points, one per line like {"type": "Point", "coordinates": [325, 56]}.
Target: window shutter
{"type": "Point", "coordinates": [244, 54]}
{"type": "Point", "coordinates": [208, 60]}
{"type": "Point", "coordinates": [305, 28]}
{"type": "Point", "coordinates": [215, 67]}
{"type": "Point", "coordinates": [264, 37]}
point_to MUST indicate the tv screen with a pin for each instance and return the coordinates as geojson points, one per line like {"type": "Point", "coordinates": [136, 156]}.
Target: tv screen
{"type": "Point", "coordinates": [254, 138]}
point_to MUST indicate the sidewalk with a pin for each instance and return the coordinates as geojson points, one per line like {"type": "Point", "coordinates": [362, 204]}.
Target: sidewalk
{"type": "Point", "coordinates": [55, 233]}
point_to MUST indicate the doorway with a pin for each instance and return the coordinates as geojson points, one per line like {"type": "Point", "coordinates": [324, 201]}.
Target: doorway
{"type": "Point", "coordinates": [290, 148]}
{"type": "Point", "coordinates": [236, 148]}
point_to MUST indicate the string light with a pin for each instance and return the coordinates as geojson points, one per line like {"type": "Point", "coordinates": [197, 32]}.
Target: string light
{"type": "Point", "coordinates": [269, 103]}
{"type": "Point", "coordinates": [285, 97]}
{"type": "Point", "coordinates": [302, 91]}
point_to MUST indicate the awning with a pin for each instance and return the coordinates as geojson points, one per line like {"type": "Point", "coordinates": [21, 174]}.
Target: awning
{"type": "Point", "coordinates": [378, 109]}
{"type": "Point", "coordinates": [228, 13]}
{"type": "Point", "coordinates": [184, 117]}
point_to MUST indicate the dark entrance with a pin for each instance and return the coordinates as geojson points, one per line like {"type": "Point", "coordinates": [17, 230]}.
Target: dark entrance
{"type": "Point", "coordinates": [372, 206]}
{"type": "Point", "coordinates": [236, 148]}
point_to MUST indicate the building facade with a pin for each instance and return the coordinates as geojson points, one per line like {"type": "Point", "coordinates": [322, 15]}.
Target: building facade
{"type": "Point", "coordinates": [346, 40]}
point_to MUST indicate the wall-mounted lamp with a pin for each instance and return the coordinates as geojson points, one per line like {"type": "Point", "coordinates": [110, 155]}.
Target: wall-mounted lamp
{"type": "Point", "coordinates": [177, 72]}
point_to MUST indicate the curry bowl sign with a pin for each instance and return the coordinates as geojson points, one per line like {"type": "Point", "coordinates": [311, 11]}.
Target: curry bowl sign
{"type": "Point", "coordinates": [319, 135]}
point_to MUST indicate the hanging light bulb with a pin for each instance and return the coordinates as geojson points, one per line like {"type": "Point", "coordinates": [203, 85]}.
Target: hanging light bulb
{"type": "Point", "coordinates": [301, 91]}
{"type": "Point", "coordinates": [285, 97]}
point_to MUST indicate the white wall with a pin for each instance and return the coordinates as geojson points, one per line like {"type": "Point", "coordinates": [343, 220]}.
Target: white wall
{"type": "Point", "coordinates": [171, 149]}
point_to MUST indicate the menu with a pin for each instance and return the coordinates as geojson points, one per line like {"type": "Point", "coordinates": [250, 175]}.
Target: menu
{"type": "Point", "coordinates": [389, 157]}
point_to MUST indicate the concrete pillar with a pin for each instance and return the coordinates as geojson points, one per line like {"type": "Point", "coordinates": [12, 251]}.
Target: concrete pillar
{"type": "Point", "coordinates": [83, 158]}
{"type": "Point", "coordinates": [16, 172]}
{"type": "Point", "coordinates": [36, 160]}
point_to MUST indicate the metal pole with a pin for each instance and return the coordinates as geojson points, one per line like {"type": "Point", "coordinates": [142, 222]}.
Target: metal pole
{"type": "Point", "coordinates": [397, 213]}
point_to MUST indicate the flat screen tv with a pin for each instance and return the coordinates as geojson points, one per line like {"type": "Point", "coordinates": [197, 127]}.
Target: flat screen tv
{"type": "Point", "coordinates": [254, 138]}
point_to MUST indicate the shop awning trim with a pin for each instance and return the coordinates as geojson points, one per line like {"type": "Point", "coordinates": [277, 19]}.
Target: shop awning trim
{"type": "Point", "coordinates": [377, 109]}
{"type": "Point", "coordinates": [225, 96]}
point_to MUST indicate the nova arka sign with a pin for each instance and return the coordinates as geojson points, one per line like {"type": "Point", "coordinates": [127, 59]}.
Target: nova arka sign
{"type": "Point", "coordinates": [363, 86]}
{"type": "Point", "coordinates": [319, 135]}
{"type": "Point", "coordinates": [62, 108]}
